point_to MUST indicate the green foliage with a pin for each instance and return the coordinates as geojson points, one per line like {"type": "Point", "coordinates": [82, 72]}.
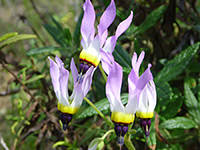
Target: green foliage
{"type": "Point", "coordinates": [192, 104]}
{"type": "Point", "coordinates": [122, 57]}
{"type": "Point", "coordinates": [14, 37]}
{"type": "Point", "coordinates": [178, 122]}
{"type": "Point", "coordinates": [101, 105]}
{"type": "Point", "coordinates": [46, 49]}
{"type": "Point", "coordinates": [164, 91]}
{"type": "Point", "coordinates": [151, 20]}
{"type": "Point", "coordinates": [175, 66]}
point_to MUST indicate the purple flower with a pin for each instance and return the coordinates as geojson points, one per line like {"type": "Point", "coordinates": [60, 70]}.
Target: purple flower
{"type": "Point", "coordinates": [147, 96]}
{"type": "Point", "coordinates": [93, 44]}
{"type": "Point", "coordinates": [69, 105]}
{"type": "Point", "coordinates": [123, 115]}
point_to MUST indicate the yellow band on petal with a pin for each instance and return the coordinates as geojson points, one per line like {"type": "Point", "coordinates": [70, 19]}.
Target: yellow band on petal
{"type": "Point", "coordinates": [67, 109]}
{"type": "Point", "coordinates": [120, 117]}
{"type": "Point", "coordinates": [90, 58]}
{"type": "Point", "coordinates": [144, 115]}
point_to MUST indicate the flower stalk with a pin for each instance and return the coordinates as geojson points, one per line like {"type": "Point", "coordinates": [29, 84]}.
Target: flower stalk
{"type": "Point", "coordinates": [109, 123]}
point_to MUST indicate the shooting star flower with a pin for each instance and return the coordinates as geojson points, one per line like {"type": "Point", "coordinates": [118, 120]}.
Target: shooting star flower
{"type": "Point", "coordinates": [90, 55]}
{"type": "Point", "coordinates": [123, 115]}
{"type": "Point", "coordinates": [69, 105]}
{"type": "Point", "coordinates": [147, 98]}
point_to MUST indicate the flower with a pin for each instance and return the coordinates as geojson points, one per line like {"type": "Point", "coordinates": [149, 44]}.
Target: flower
{"type": "Point", "coordinates": [90, 55]}
{"type": "Point", "coordinates": [147, 98]}
{"type": "Point", "coordinates": [59, 75]}
{"type": "Point", "coordinates": [123, 115]}
{"type": "Point", "coordinates": [96, 144]}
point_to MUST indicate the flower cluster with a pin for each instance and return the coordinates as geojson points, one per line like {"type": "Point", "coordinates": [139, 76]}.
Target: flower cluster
{"type": "Point", "coordinates": [142, 95]}
{"type": "Point", "coordinates": [96, 48]}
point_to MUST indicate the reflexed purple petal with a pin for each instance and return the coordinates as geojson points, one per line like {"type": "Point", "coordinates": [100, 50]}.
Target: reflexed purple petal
{"type": "Point", "coordinates": [107, 18]}
{"type": "Point", "coordinates": [123, 26]}
{"type": "Point", "coordinates": [103, 37]}
{"type": "Point", "coordinates": [152, 95]}
{"type": "Point", "coordinates": [110, 44]}
{"type": "Point", "coordinates": [144, 100]}
{"type": "Point", "coordinates": [87, 81]}
{"type": "Point", "coordinates": [132, 104]}
{"type": "Point", "coordinates": [96, 43]}
{"type": "Point", "coordinates": [77, 96]}
{"type": "Point", "coordinates": [54, 72]}
{"type": "Point", "coordinates": [111, 41]}
{"type": "Point", "coordinates": [87, 26]}
{"type": "Point", "coordinates": [134, 60]}
{"type": "Point", "coordinates": [59, 61]}
{"type": "Point", "coordinates": [63, 80]}
{"type": "Point", "coordinates": [132, 81]}
{"type": "Point", "coordinates": [113, 87]}
{"type": "Point", "coordinates": [144, 79]}
{"type": "Point", "coordinates": [137, 62]}
{"type": "Point", "coordinates": [84, 44]}
{"type": "Point", "coordinates": [74, 71]}
{"type": "Point", "coordinates": [106, 61]}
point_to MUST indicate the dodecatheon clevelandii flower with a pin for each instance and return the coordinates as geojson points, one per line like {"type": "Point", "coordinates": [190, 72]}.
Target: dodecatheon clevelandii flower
{"type": "Point", "coordinates": [69, 105]}
{"type": "Point", "coordinates": [147, 98]}
{"type": "Point", "coordinates": [122, 115]}
{"type": "Point", "coordinates": [90, 55]}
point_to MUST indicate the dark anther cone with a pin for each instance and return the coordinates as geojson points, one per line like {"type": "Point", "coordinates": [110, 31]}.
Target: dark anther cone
{"type": "Point", "coordinates": [65, 119]}
{"type": "Point", "coordinates": [121, 130]}
{"type": "Point", "coordinates": [145, 125]}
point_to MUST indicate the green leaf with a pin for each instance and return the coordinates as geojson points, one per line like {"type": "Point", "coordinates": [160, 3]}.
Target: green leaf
{"type": "Point", "coordinates": [178, 122]}
{"type": "Point", "coordinates": [68, 34]}
{"type": "Point", "coordinates": [176, 147]}
{"type": "Point", "coordinates": [191, 103]}
{"type": "Point", "coordinates": [126, 70]}
{"type": "Point", "coordinates": [45, 49]}
{"type": "Point", "coordinates": [76, 36]}
{"type": "Point", "coordinates": [151, 19]}
{"type": "Point", "coordinates": [122, 57]}
{"type": "Point", "coordinates": [164, 91]}
{"type": "Point", "coordinates": [60, 143]}
{"type": "Point", "coordinates": [7, 35]}
{"type": "Point", "coordinates": [57, 35]}
{"type": "Point", "coordinates": [102, 105]}
{"type": "Point", "coordinates": [175, 66]}
{"type": "Point", "coordinates": [172, 108]}
{"type": "Point", "coordinates": [34, 78]}
{"type": "Point", "coordinates": [17, 38]}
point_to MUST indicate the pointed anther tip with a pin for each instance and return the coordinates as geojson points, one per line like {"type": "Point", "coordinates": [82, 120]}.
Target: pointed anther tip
{"type": "Point", "coordinates": [65, 126]}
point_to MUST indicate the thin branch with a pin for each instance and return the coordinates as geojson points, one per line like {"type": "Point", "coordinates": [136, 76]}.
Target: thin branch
{"type": "Point", "coordinates": [9, 92]}
{"type": "Point", "coordinates": [36, 10]}
{"type": "Point", "coordinates": [50, 116]}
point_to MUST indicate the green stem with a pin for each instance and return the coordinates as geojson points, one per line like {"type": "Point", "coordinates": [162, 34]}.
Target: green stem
{"type": "Point", "coordinates": [106, 134]}
{"type": "Point", "coordinates": [127, 140]}
{"type": "Point", "coordinates": [128, 143]}
{"type": "Point", "coordinates": [102, 72]}
{"type": "Point", "coordinates": [99, 112]}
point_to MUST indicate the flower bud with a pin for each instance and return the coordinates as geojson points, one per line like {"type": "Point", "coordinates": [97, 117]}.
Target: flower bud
{"type": "Point", "coordinates": [96, 144]}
